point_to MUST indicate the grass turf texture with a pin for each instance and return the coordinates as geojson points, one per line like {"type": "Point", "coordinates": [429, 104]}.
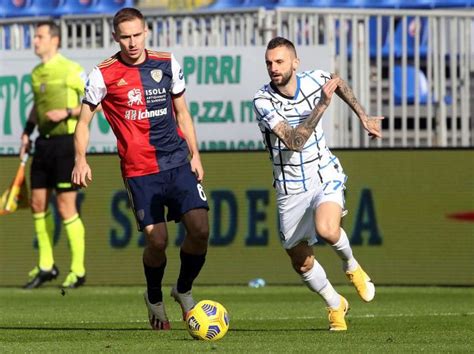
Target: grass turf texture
{"type": "Point", "coordinates": [270, 319]}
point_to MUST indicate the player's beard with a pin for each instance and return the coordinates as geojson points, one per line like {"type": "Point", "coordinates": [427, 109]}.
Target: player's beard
{"type": "Point", "coordinates": [285, 79]}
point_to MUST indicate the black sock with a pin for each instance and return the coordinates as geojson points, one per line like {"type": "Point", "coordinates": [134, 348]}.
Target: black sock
{"type": "Point", "coordinates": [191, 265]}
{"type": "Point", "coordinates": [154, 276]}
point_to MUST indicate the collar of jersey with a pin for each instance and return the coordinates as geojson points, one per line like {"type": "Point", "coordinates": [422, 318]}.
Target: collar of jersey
{"type": "Point", "coordinates": [54, 59]}
{"type": "Point", "coordinates": [119, 57]}
{"type": "Point", "coordinates": [285, 96]}
{"type": "Point", "coordinates": [297, 87]}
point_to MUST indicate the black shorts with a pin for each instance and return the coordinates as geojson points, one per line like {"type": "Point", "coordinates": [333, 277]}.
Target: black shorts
{"type": "Point", "coordinates": [178, 189]}
{"type": "Point", "coordinates": [53, 161]}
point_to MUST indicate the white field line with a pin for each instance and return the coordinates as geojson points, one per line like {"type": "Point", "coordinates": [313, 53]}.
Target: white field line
{"type": "Point", "coordinates": [435, 314]}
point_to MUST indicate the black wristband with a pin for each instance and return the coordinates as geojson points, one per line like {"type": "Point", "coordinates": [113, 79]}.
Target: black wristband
{"type": "Point", "coordinates": [69, 112]}
{"type": "Point", "coordinates": [29, 127]}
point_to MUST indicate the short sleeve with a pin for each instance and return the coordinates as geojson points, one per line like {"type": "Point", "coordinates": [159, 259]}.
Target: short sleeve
{"type": "Point", "coordinates": [95, 87]}
{"type": "Point", "coordinates": [266, 111]}
{"type": "Point", "coordinates": [178, 77]}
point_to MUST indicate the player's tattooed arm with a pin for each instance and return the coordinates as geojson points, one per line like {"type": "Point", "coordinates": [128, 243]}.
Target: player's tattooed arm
{"type": "Point", "coordinates": [295, 138]}
{"type": "Point", "coordinates": [347, 95]}
{"type": "Point", "coordinates": [371, 124]}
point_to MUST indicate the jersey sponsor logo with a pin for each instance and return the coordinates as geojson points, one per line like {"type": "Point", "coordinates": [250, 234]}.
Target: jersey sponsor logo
{"type": "Point", "coordinates": [122, 82]}
{"type": "Point", "coordinates": [134, 97]}
{"type": "Point", "coordinates": [155, 95]}
{"type": "Point", "coordinates": [140, 115]}
{"type": "Point", "coordinates": [155, 91]}
{"type": "Point", "coordinates": [156, 75]}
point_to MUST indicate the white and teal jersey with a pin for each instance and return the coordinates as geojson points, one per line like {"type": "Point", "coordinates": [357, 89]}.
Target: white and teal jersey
{"type": "Point", "coordinates": [296, 172]}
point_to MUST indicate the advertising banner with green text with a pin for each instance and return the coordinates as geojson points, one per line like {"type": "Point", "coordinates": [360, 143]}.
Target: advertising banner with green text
{"type": "Point", "coordinates": [220, 86]}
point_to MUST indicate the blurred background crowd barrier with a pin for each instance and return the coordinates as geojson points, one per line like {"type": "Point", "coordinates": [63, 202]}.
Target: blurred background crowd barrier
{"type": "Point", "coordinates": [411, 61]}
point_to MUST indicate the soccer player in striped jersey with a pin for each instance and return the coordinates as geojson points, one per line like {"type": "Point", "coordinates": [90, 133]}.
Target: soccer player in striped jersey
{"type": "Point", "coordinates": [308, 178]}
{"type": "Point", "coordinates": [142, 97]}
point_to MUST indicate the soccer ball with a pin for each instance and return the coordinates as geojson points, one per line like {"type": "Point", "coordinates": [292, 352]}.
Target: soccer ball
{"type": "Point", "coordinates": [208, 320]}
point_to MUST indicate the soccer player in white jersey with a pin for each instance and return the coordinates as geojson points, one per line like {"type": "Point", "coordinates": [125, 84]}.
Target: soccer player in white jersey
{"type": "Point", "coordinates": [308, 178]}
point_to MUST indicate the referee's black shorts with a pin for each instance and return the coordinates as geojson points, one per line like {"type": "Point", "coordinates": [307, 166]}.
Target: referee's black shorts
{"type": "Point", "coordinates": [53, 161]}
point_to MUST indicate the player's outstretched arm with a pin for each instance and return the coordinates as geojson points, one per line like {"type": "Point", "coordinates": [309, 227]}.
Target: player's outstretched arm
{"type": "Point", "coordinates": [371, 124]}
{"type": "Point", "coordinates": [82, 174]}
{"type": "Point", "coordinates": [185, 123]}
{"type": "Point", "coordinates": [295, 138]}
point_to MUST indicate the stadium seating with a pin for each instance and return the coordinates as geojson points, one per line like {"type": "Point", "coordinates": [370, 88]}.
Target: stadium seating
{"type": "Point", "coordinates": [372, 37]}
{"type": "Point", "coordinates": [398, 4]}
{"type": "Point", "coordinates": [393, 4]}
{"type": "Point", "coordinates": [295, 3]}
{"type": "Point", "coordinates": [111, 6]}
{"type": "Point", "coordinates": [410, 39]}
{"type": "Point", "coordinates": [70, 7]}
{"type": "Point", "coordinates": [27, 8]}
{"type": "Point", "coordinates": [55, 8]}
{"type": "Point", "coordinates": [268, 4]}
{"type": "Point", "coordinates": [399, 35]}
{"type": "Point", "coordinates": [15, 9]}
{"type": "Point", "coordinates": [411, 74]}
{"type": "Point", "coordinates": [224, 4]}
{"type": "Point", "coordinates": [377, 4]}
{"type": "Point", "coordinates": [416, 4]}
{"type": "Point", "coordinates": [342, 3]}
{"type": "Point", "coordinates": [373, 34]}
{"type": "Point", "coordinates": [452, 3]}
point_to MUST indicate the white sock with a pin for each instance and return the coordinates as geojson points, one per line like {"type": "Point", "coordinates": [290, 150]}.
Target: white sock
{"type": "Point", "coordinates": [317, 281]}
{"type": "Point", "coordinates": [344, 251]}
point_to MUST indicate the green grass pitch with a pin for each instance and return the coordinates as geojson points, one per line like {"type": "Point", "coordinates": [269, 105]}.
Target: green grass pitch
{"type": "Point", "coordinates": [269, 319]}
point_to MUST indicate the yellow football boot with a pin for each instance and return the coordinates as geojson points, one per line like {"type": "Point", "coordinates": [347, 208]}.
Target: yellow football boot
{"type": "Point", "coordinates": [364, 286]}
{"type": "Point", "coordinates": [337, 316]}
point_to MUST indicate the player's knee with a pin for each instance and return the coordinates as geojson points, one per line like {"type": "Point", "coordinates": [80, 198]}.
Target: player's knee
{"type": "Point", "coordinates": [328, 231]}
{"type": "Point", "coordinates": [200, 234]}
{"type": "Point", "coordinates": [157, 244]}
{"type": "Point", "coordinates": [36, 207]}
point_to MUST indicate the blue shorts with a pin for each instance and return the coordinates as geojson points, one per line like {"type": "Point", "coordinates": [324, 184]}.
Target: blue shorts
{"type": "Point", "coordinates": [178, 189]}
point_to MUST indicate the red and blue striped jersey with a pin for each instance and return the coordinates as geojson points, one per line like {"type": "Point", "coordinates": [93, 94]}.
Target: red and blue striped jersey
{"type": "Point", "coordinates": [137, 101]}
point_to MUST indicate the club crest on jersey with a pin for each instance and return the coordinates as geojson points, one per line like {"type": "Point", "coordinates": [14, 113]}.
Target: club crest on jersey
{"type": "Point", "coordinates": [156, 75]}
{"type": "Point", "coordinates": [134, 97]}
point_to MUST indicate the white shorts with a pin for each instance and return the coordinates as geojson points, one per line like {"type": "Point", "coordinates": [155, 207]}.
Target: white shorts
{"type": "Point", "coordinates": [297, 211]}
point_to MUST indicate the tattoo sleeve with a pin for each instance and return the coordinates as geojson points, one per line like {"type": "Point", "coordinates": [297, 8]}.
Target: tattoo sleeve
{"type": "Point", "coordinates": [295, 138]}
{"type": "Point", "coordinates": [347, 95]}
